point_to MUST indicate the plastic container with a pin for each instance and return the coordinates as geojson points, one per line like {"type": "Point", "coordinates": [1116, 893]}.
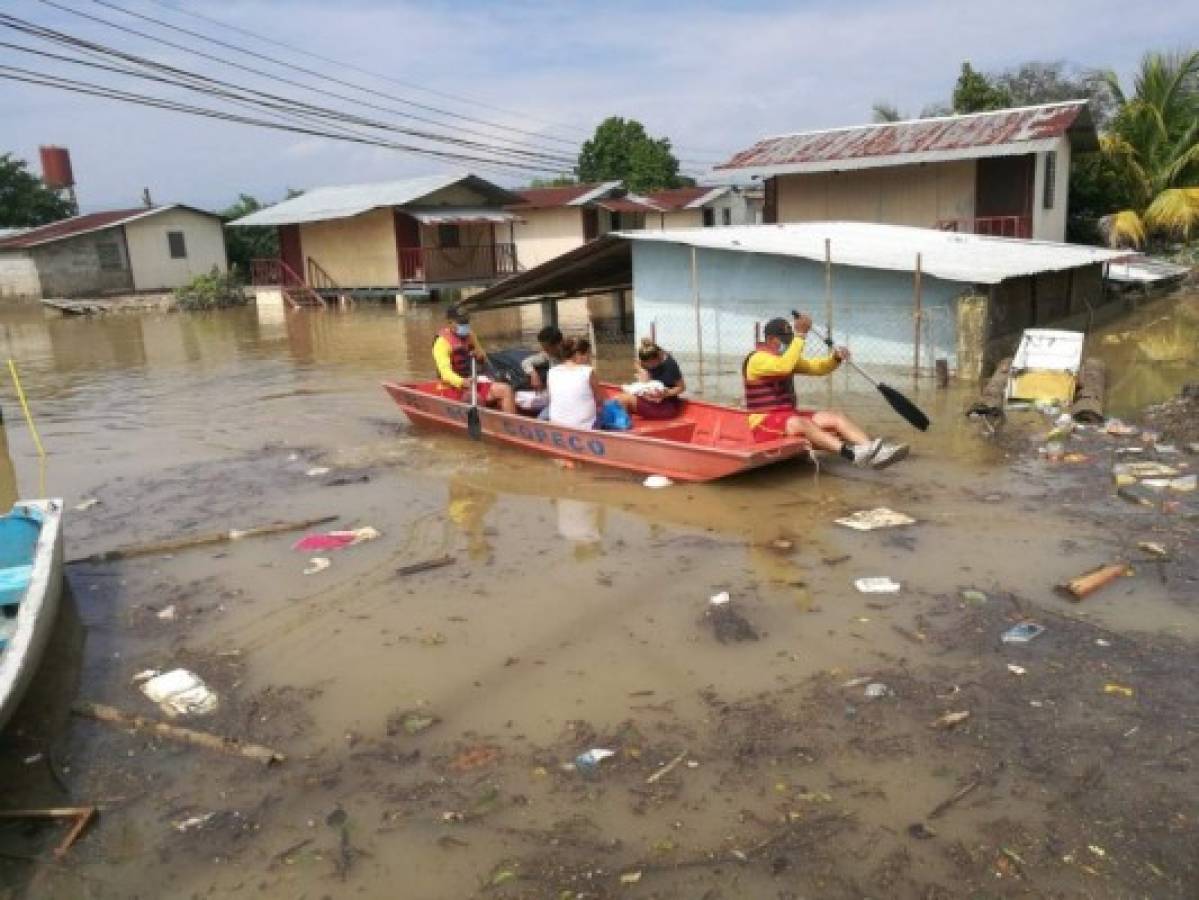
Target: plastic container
{"type": "Point", "coordinates": [1022, 633]}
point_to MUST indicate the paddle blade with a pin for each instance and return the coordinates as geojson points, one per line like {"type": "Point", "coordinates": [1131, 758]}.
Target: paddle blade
{"type": "Point", "coordinates": [904, 407]}
{"type": "Point", "coordinates": [474, 423]}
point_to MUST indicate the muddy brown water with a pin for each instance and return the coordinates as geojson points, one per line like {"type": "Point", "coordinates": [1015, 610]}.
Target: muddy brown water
{"type": "Point", "coordinates": [573, 615]}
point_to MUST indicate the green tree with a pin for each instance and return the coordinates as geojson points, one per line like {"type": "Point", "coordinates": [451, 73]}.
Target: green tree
{"type": "Point", "coordinates": [24, 200]}
{"type": "Point", "coordinates": [556, 181]}
{"type": "Point", "coordinates": [246, 243]}
{"type": "Point", "coordinates": [1033, 83]}
{"type": "Point", "coordinates": [1153, 147]}
{"type": "Point", "coordinates": [621, 150]}
{"type": "Point", "coordinates": [883, 111]}
{"type": "Point", "coordinates": [974, 92]}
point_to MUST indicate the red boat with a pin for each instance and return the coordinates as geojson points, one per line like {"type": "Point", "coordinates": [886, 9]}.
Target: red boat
{"type": "Point", "coordinates": [705, 442]}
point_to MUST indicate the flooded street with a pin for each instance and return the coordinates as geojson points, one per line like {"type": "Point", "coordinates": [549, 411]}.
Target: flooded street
{"type": "Point", "coordinates": [427, 717]}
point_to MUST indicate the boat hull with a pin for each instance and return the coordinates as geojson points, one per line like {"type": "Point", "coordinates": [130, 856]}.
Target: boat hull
{"type": "Point", "coordinates": [706, 443]}
{"type": "Point", "coordinates": [37, 612]}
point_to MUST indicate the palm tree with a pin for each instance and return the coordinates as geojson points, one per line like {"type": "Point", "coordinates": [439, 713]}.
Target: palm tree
{"type": "Point", "coordinates": [1154, 145]}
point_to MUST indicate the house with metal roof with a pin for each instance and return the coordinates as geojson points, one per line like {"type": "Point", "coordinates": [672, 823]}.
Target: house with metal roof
{"type": "Point", "coordinates": [436, 234]}
{"type": "Point", "coordinates": [897, 296]}
{"type": "Point", "coordinates": [1003, 173]}
{"type": "Point", "coordinates": [703, 206]}
{"type": "Point", "coordinates": [112, 252]}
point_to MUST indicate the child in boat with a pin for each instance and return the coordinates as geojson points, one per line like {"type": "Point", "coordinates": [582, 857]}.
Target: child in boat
{"type": "Point", "coordinates": [575, 394]}
{"type": "Point", "coordinates": [452, 351]}
{"type": "Point", "coordinates": [769, 377]}
{"type": "Point", "coordinates": [662, 382]}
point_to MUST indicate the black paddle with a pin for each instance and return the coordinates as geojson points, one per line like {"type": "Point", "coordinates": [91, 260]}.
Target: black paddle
{"type": "Point", "coordinates": [474, 424]}
{"type": "Point", "coordinates": [898, 401]}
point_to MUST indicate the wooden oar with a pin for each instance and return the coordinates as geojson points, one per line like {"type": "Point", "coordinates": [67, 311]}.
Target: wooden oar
{"type": "Point", "coordinates": [474, 424]}
{"type": "Point", "coordinates": [901, 404]}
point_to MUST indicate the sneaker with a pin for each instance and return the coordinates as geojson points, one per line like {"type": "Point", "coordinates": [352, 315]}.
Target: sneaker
{"type": "Point", "coordinates": [864, 453]}
{"type": "Point", "coordinates": [889, 455]}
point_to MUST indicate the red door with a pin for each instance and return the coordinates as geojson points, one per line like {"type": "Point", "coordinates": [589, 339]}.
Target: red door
{"type": "Point", "coordinates": [290, 250]}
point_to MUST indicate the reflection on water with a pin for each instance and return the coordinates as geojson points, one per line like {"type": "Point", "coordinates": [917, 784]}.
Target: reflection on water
{"type": "Point", "coordinates": [467, 508]}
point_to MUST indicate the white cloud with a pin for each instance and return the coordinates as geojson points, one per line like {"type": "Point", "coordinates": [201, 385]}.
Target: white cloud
{"type": "Point", "coordinates": [713, 77]}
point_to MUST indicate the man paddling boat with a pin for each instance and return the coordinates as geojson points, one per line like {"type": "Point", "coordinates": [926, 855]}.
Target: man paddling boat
{"type": "Point", "coordinates": [768, 373]}
{"type": "Point", "coordinates": [453, 348]}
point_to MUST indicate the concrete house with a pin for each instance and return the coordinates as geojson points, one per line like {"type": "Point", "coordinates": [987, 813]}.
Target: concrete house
{"type": "Point", "coordinates": [898, 296]}
{"type": "Point", "coordinates": [1003, 173]}
{"type": "Point", "coordinates": [439, 233]}
{"type": "Point", "coordinates": [113, 252]}
{"type": "Point", "coordinates": [699, 207]}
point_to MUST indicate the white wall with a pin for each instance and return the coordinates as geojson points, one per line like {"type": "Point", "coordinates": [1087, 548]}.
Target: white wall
{"type": "Point", "coordinates": [546, 233]}
{"type": "Point", "coordinates": [150, 255]}
{"type": "Point", "coordinates": [18, 276]}
{"type": "Point", "coordinates": [1050, 224]}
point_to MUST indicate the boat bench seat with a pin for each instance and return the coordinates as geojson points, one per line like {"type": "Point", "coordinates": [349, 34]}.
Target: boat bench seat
{"type": "Point", "coordinates": [673, 430]}
{"type": "Point", "coordinates": [14, 581]}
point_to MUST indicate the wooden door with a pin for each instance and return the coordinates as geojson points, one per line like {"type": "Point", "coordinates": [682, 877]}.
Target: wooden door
{"type": "Point", "coordinates": [291, 251]}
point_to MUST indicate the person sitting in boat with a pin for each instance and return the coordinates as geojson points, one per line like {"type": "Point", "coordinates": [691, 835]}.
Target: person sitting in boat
{"type": "Point", "coordinates": [768, 373]}
{"type": "Point", "coordinates": [656, 394]}
{"type": "Point", "coordinates": [537, 365]}
{"type": "Point", "coordinates": [452, 351]}
{"type": "Point", "coordinates": [575, 394]}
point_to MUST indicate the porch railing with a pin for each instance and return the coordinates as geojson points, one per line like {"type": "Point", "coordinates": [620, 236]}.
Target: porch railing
{"type": "Point", "coordinates": [470, 261]}
{"type": "Point", "coordinates": [992, 226]}
{"type": "Point", "coordinates": [277, 273]}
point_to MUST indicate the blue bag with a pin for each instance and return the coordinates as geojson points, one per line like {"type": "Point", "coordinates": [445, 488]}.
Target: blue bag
{"type": "Point", "coordinates": [614, 417]}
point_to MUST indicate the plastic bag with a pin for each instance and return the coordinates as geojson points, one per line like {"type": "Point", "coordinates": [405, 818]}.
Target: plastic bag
{"type": "Point", "coordinates": [613, 417]}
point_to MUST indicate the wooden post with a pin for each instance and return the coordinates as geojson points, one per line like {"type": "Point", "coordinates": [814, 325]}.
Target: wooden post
{"type": "Point", "coordinates": [917, 315]}
{"type": "Point", "coordinates": [549, 312]}
{"type": "Point", "coordinates": [757, 333]}
{"type": "Point", "coordinates": [828, 287]}
{"type": "Point", "coordinates": [699, 325]}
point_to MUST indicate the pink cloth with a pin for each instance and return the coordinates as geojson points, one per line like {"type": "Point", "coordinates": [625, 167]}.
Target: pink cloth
{"type": "Point", "coordinates": [334, 540]}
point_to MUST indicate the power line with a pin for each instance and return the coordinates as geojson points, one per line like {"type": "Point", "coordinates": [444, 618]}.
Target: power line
{"type": "Point", "coordinates": [16, 73]}
{"type": "Point", "coordinates": [255, 71]}
{"type": "Point", "coordinates": [269, 100]}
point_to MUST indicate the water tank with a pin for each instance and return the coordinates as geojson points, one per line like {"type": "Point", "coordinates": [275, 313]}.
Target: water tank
{"type": "Point", "coordinates": [56, 167]}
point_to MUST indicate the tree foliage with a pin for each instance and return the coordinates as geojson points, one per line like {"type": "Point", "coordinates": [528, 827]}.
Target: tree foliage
{"type": "Point", "coordinates": [215, 290]}
{"type": "Point", "coordinates": [883, 111]}
{"type": "Point", "coordinates": [24, 201]}
{"type": "Point", "coordinates": [621, 150]}
{"type": "Point", "coordinates": [556, 181]}
{"type": "Point", "coordinates": [974, 92]}
{"type": "Point", "coordinates": [246, 243]}
{"type": "Point", "coordinates": [1033, 83]}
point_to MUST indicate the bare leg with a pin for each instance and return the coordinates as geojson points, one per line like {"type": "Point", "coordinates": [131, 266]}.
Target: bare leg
{"type": "Point", "coordinates": [838, 423]}
{"type": "Point", "coordinates": [817, 437]}
{"type": "Point", "coordinates": [503, 395]}
{"type": "Point", "coordinates": [628, 401]}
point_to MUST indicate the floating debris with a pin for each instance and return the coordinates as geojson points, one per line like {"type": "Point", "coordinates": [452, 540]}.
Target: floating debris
{"type": "Point", "coordinates": [1118, 689]}
{"type": "Point", "coordinates": [951, 719]}
{"type": "Point", "coordinates": [85, 505]}
{"type": "Point", "coordinates": [881, 584]}
{"type": "Point", "coordinates": [870, 519]}
{"type": "Point", "coordinates": [317, 564]}
{"type": "Point", "coordinates": [178, 692]}
{"type": "Point", "coordinates": [657, 481]}
{"type": "Point", "coordinates": [1022, 633]}
{"type": "Point", "coordinates": [877, 689]}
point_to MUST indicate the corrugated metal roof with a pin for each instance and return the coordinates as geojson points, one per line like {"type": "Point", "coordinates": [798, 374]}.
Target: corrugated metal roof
{"type": "Point", "coordinates": [344, 201]}
{"type": "Point", "coordinates": [564, 195]}
{"type": "Point", "coordinates": [687, 197]}
{"type": "Point", "coordinates": [456, 214]}
{"type": "Point", "coordinates": [998, 133]}
{"type": "Point", "coordinates": [952, 256]}
{"type": "Point", "coordinates": [631, 203]}
{"type": "Point", "coordinates": [78, 225]}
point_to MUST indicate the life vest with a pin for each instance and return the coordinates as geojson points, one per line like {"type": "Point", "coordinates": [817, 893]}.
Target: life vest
{"type": "Point", "coordinates": [771, 392]}
{"type": "Point", "coordinates": [459, 351]}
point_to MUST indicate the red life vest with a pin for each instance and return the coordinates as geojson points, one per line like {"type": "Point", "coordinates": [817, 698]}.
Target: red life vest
{"type": "Point", "coordinates": [459, 351]}
{"type": "Point", "coordinates": [771, 392]}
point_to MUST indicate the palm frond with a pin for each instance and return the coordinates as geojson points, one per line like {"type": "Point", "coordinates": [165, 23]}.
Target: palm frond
{"type": "Point", "coordinates": [1124, 229]}
{"type": "Point", "coordinates": [1174, 212]}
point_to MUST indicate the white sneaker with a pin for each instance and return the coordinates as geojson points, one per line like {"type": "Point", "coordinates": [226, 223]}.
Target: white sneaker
{"type": "Point", "coordinates": [864, 453]}
{"type": "Point", "coordinates": [889, 455]}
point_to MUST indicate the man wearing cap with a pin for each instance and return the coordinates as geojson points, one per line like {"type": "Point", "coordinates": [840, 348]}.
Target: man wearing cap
{"type": "Point", "coordinates": [769, 374]}
{"type": "Point", "coordinates": [452, 350]}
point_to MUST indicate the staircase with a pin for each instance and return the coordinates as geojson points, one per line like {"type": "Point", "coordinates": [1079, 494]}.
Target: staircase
{"type": "Point", "coordinates": [322, 283]}
{"type": "Point", "coordinates": [277, 273]}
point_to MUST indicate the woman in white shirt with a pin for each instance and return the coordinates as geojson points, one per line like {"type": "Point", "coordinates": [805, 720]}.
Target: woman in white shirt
{"type": "Point", "coordinates": [574, 389]}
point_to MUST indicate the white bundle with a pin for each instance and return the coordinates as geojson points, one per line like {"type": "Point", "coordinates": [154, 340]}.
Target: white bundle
{"type": "Point", "coordinates": [637, 388]}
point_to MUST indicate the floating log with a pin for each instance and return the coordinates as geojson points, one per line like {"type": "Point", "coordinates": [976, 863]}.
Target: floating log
{"type": "Point", "coordinates": [990, 403]}
{"type": "Point", "coordinates": [1088, 396]}
{"type": "Point", "coordinates": [1089, 582]}
{"type": "Point", "coordinates": [199, 540]}
{"type": "Point", "coordinates": [425, 566]}
{"type": "Point", "coordinates": [102, 713]}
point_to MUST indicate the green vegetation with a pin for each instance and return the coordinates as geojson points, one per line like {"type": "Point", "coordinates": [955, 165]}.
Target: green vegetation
{"type": "Point", "coordinates": [24, 201]}
{"type": "Point", "coordinates": [621, 150]}
{"type": "Point", "coordinates": [216, 290]}
{"type": "Point", "coordinates": [975, 92]}
{"type": "Point", "coordinates": [242, 245]}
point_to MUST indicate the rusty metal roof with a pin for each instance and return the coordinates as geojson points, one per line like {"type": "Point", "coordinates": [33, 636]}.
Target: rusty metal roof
{"type": "Point", "coordinates": [77, 225]}
{"type": "Point", "coordinates": [1003, 132]}
{"type": "Point", "coordinates": [687, 197]}
{"type": "Point", "coordinates": [564, 195]}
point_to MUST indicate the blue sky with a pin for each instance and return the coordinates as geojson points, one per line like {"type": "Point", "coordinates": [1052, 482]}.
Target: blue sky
{"type": "Point", "coordinates": [711, 76]}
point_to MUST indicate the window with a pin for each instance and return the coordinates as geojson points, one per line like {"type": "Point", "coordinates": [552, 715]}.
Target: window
{"type": "Point", "coordinates": [709, 217]}
{"type": "Point", "coordinates": [1050, 178]}
{"type": "Point", "coordinates": [448, 235]}
{"type": "Point", "coordinates": [177, 245]}
{"type": "Point", "coordinates": [110, 257]}
{"type": "Point", "coordinates": [615, 221]}
{"type": "Point", "coordinates": [726, 216]}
